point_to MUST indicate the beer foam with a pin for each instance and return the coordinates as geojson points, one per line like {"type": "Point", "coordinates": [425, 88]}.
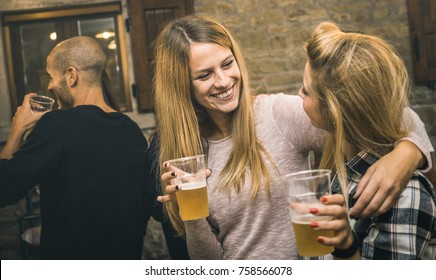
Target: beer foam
{"type": "Point", "coordinates": [307, 219]}
{"type": "Point", "coordinates": [191, 185]}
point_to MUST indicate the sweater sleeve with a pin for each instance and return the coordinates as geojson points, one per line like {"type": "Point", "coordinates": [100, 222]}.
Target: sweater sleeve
{"type": "Point", "coordinates": [202, 242]}
{"type": "Point", "coordinates": [33, 163]}
{"type": "Point", "coordinates": [295, 125]}
{"type": "Point", "coordinates": [418, 136]}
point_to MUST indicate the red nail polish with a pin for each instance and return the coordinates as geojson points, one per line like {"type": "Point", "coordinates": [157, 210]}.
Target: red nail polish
{"type": "Point", "coordinates": [323, 199]}
{"type": "Point", "coordinates": [320, 239]}
{"type": "Point", "coordinates": [313, 224]}
{"type": "Point", "coordinates": [313, 210]}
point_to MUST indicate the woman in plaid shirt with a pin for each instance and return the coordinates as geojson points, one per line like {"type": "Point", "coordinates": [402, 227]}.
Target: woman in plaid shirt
{"type": "Point", "coordinates": [356, 88]}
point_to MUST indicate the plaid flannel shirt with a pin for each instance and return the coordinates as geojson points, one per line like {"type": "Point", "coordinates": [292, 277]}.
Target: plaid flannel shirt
{"type": "Point", "coordinates": [407, 230]}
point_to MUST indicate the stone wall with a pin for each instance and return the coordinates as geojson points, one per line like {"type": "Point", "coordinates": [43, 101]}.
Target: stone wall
{"type": "Point", "coordinates": [271, 33]}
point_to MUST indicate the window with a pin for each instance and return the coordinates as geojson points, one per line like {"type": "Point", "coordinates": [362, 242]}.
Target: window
{"type": "Point", "coordinates": [30, 36]}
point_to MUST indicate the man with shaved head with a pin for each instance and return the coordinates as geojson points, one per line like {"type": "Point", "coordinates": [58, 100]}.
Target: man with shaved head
{"type": "Point", "coordinates": [87, 158]}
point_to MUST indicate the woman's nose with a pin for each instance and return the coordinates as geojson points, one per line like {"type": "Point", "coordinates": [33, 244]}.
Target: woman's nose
{"type": "Point", "coordinates": [221, 80]}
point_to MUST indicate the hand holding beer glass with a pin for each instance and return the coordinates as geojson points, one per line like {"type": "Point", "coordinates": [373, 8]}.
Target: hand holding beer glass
{"type": "Point", "coordinates": [39, 104]}
{"type": "Point", "coordinates": [191, 182]}
{"type": "Point", "coordinates": [304, 190]}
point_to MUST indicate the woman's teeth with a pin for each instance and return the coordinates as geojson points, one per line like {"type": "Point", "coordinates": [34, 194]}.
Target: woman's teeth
{"type": "Point", "coordinates": [224, 94]}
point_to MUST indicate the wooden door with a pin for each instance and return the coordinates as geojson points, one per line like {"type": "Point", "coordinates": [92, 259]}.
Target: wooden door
{"type": "Point", "coordinates": [147, 19]}
{"type": "Point", "coordinates": [422, 20]}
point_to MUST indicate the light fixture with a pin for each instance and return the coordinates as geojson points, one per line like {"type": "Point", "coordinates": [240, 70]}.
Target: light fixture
{"type": "Point", "coordinates": [53, 36]}
{"type": "Point", "coordinates": [105, 35]}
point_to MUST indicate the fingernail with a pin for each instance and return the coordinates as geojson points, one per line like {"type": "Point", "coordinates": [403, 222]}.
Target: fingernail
{"type": "Point", "coordinates": [323, 199]}
{"type": "Point", "coordinates": [177, 187]}
{"type": "Point", "coordinates": [173, 173]}
{"type": "Point", "coordinates": [320, 239]}
{"type": "Point", "coordinates": [166, 164]}
{"type": "Point", "coordinates": [313, 224]}
{"type": "Point", "coordinates": [313, 210]}
{"type": "Point", "coordinates": [210, 170]}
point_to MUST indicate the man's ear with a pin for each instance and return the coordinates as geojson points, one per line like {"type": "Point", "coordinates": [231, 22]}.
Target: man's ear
{"type": "Point", "coordinates": [71, 76]}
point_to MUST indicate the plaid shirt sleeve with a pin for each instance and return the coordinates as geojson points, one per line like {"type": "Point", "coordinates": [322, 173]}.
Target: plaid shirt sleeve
{"type": "Point", "coordinates": [408, 230]}
{"type": "Point", "coordinates": [404, 232]}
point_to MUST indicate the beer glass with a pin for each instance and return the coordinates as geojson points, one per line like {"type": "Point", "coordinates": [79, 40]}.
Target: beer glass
{"type": "Point", "coordinates": [191, 181]}
{"type": "Point", "coordinates": [41, 103]}
{"type": "Point", "coordinates": [304, 190]}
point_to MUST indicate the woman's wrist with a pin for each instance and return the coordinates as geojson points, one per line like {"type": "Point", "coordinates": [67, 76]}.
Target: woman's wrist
{"type": "Point", "coordinates": [406, 147]}
{"type": "Point", "coordinates": [350, 250]}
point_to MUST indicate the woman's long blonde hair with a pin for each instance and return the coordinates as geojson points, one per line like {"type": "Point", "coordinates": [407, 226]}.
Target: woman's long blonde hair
{"type": "Point", "coordinates": [362, 86]}
{"type": "Point", "coordinates": [181, 121]}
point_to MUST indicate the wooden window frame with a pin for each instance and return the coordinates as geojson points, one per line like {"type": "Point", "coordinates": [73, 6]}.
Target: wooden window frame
{"type": "Point", "coordinates": [143, 32]}
{"type": "Point", "coordinates": [59, 13]}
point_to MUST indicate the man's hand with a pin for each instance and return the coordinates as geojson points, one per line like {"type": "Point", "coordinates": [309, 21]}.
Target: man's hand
{"type": "Point", "coordinates": [23, 121]}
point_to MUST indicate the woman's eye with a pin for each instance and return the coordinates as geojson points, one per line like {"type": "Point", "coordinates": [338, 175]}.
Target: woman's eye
{"type": "Point", "coordinates": [203, 76]}
{"type": "Point", "coordinates": [228, 64]}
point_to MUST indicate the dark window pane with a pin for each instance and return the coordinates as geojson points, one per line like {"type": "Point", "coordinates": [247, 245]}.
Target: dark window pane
{"type": "Point", "coordinates": [36, 43]}
{"type": "Point", "coordinates": [102, 30]}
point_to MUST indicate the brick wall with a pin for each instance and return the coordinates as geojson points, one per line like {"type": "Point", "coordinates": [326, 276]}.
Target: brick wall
{"type": "Point", "coordinates": [271, 33]}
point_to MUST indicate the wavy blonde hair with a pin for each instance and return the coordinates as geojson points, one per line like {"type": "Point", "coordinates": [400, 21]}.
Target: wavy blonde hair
{"type": "Point", "coordinates": [182, 122]}
{"type": "Point", "coordinates": [362, 86]}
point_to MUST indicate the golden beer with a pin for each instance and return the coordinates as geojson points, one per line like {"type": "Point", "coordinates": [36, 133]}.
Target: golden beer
{"type": "Point", "coordinates": [193, 203]}
{"type": "Point", "coordinates": [306, 238]}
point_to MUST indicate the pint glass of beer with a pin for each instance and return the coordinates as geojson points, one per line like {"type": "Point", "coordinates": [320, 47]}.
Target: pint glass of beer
{"type": "Point", "coordinates": [191, 180]}
{"type": "Point", "coordinates": [304, 190]}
